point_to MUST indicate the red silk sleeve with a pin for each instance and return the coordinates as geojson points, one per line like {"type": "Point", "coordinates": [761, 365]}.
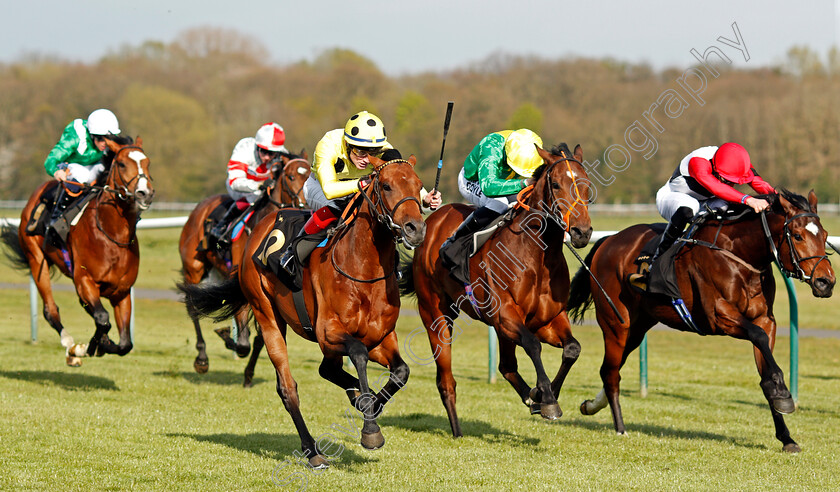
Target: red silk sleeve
{"type": "Point", "coordinates": [701, 170]}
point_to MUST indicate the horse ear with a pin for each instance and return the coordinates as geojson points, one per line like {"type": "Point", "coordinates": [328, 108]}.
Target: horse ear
{"type": "Point", "coordinates": [412, 160]}
{"type": "Point", "coordinates": [139, 141]}
{"type": "Point", "coordinates": [304, 154]}
{"type": "Point", "coordinates": [812, 200]}
{"type": "Point", "coordinates": [546, 156]}
{"type": "Point", "coordinates": [114, 146]}
{"type": "Point", "coordinates": [578, 152]}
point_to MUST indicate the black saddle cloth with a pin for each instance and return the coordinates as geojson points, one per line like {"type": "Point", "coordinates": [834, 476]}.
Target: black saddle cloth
{"type": "Point", "coordinates": [287, 224]}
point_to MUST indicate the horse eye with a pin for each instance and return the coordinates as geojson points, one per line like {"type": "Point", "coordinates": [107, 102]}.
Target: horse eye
{"type": "Point", "coordinates": [797, 237]}
{"type": "Point", "coordinates": [386, 187]}
{"type": "Point", "coordinates": [555, 186]}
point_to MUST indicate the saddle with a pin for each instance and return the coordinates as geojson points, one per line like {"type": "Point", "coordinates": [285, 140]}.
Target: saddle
{"type": "Point", "coordinates": [40, 217]}
{"type": "Point", "coordinates": [458, 254]}
{"type": "Point", "coordinates": [217, 215]}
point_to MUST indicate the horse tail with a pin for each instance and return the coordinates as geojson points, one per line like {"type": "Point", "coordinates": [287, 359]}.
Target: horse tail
{"type": "Point", "coordinates": [14, 251]}
{"type": "Point", "coordinates": [580, 293]}
{"type": "Point", "coordinates": [405, 274]}
{"type": "Point", "coordinates": [217, 301]}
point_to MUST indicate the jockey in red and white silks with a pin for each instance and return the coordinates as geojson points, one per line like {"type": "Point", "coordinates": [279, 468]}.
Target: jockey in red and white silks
{"type": "Point", "coordinates": [250, 162]}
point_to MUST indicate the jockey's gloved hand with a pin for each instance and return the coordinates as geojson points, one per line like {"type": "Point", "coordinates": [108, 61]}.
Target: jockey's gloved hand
{"type": "Point", "coordinates": [268, 183]}
{"type": "Point", "coordinates": [364, 181]}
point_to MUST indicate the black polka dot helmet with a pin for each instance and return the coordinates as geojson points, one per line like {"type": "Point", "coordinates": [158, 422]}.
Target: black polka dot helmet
{"type": "Point", "coordinates": [365, 130]}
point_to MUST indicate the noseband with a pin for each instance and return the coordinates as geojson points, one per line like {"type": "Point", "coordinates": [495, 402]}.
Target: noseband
{"type": "Point", "coordinates": [795, 259]}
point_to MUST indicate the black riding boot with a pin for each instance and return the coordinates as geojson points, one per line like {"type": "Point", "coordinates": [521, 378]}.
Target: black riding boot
{"type": "Point", "coordinates": [52, 235]}
{"type": "Point", "coordinates": [674, 230]}
{"type": "Point", "coordinates": [476, 221]}
{"type": "Point", "coordinates": [218, 238]}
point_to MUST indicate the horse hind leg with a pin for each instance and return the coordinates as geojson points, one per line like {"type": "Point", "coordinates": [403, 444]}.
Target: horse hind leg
{"type": "Point", "coordinates": [51, 311]}
{"type": "Point", "coordinates": [201, 364]}
{"type": "Point", "coordinates": [372, 437]}
{"type": "Point", "coordinates": [252, 361]}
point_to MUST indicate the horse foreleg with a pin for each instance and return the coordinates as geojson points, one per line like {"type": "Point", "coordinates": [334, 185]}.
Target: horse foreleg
{"type": "Point", "coordinates": [387, 354]}
{"type": "Point", "coordinates": [366, 403]}
{"type": "Point", "coordinates": [332, 369]}
{"type": "Point", "coordinates": [122, 317]}
{"type": "Point", "coordinates": [439, 329]}
{"type": "Point", "coordinates": [558, 333]}
{"type": "Point", "coordinates": [509, 367]}
{"type": "Point", "coordinates": [516, 331]}
{"type": "Point", "coordinates": [252, 361]}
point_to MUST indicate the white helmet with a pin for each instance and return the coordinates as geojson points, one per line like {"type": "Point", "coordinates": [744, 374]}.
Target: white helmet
{"type": "Point", "coordinates": [103, 122]}
{"type": "Point", "coordinates": [271, 137]}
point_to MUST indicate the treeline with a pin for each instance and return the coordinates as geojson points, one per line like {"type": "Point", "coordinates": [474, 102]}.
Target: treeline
{"type": "Point", "coordinates": [193, 99]}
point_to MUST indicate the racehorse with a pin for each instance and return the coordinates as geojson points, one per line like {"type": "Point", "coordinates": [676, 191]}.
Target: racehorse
{"type": "Point", "coordinates": [289, 174]}
{"type": "Point", "coordinates": [102, 250]}
{"type": "Point", "coordinates": [351, 294]}
{"type": "Point", "coordinates": [520, 281]}
{"type": "Point", "coordinates": [727, 285]}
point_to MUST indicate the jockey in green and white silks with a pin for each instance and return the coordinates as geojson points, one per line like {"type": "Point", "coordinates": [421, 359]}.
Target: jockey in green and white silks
{"type": "Point", "coordinates": [77, 158]}
{"type": "Point", "coordinates": [78, 154]}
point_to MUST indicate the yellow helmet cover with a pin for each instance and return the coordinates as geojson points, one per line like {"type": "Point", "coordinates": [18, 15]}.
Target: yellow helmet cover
{"type": "Point", "coordinates": [365, 129]}
{"type": "Point", "coordinates": [522, 156]}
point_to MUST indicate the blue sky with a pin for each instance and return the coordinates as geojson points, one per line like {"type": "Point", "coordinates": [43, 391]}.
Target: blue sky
{"type": "Point", "coordinates": [402, 36]}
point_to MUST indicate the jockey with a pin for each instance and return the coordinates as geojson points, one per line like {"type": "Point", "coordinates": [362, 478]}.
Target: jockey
{"type": "Point", "coordinates": [706, 176]}
{"type": "Point", "coordinates": [342, 160]}
{"type": "Point", "coordinates": [494, 172]}
{"type": "Point", "coordinates": [77, 158]}
{"type": "Point", "coordinates": [248, 170]}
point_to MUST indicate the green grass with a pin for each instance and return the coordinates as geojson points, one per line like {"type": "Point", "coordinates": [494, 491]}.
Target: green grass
{"type": "Point", "coordinates": [146, 421]}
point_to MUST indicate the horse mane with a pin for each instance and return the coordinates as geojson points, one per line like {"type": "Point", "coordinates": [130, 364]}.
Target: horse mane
{"type": "Point", "coordinates": [796, 199]}
{"type": "Point", "coordinates": [558, 150]}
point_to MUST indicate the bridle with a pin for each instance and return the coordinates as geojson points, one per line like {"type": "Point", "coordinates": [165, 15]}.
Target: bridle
{"type": "Point", "coordinates": [797, 273]}
{"type": "Point", "coordinates": [555, 206]}
{"type": "Point", "coordinates": [383, 215]}
{"type": "Point", "coordinates": [121, 186]}
{"type": "Point", "coordinates": [296, 196]}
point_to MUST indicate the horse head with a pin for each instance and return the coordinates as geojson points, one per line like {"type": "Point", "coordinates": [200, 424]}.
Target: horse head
{"type": "Point", "coordinates": [290, 174]}
{"type": "Point", "coordinates": [800, 240]}
{"type": "Point", "coordinates": [394, 187]}
{"type": "Point", "coordinates": [129, 174]}
{"type": "Point", "coordinates": [561, 191]}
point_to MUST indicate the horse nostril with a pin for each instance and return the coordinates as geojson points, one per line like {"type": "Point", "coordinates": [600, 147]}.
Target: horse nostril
{"type": "Point", "coordinates": [410, 228]}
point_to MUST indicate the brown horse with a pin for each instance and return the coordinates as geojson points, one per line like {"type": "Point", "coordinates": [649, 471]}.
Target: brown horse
{"type": "Point", "coordinates": [352, 297]}
{"type": "Point", "coordinates": [103, 254]}
{"type": "Point", "coordinates": [289, 174]}
{"type": "Point", "coordinates": [727, 284]}
{"type": "Point", "coordinates": [520, 282]}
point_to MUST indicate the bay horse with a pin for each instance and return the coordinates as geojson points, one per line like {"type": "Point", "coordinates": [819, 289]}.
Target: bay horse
{"type": "Point", "coordinates": [521, 275]}
{"type": "Point", "coordinates": [103, 254]}
{"type": "Point", "coordinates": [352, 297]}
{"type": "Point", "coordinates": [727, 284]}
{"type": "Point", "coordinates": [289, 173]}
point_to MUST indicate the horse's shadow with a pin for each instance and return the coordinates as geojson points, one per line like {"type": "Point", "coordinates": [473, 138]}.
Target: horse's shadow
{"type": "Point", "coordinates": [221, 378]}
{"type": "Point", "coordinates": [659, 431]}
{"type": "Point", "coordinates": [277, 447]}
{"type": "Point", "coordinates": [66, 380]}
{"type": "Point", "coordinates": [435, 424]}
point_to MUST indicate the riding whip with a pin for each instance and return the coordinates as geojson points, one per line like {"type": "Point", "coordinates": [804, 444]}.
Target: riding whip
{"type": "Point", "coordinates": [443, 145]}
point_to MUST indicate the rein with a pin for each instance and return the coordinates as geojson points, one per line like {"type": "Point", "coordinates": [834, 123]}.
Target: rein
{"type": "Point", "coordinates": [386, 217]}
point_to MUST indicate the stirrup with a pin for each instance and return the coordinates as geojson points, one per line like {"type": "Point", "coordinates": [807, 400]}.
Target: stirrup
{"type": "Point", "coordinates": [287, 262]}
{"type": "Point", "coordinates": [641, 277]}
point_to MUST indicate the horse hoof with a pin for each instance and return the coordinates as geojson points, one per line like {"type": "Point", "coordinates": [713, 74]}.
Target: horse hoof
{"type": "Point", "coordinates": [535, 408]}
{"type": "Point", "coordinates": [373, 441]}
{"type": "Point", "coordinates": [318, 462]}
{"type": "Point", "coordinates": [550, 411]}
{"type": "Point", "coordinates": [791, 448]}
{"type": "Point", "coordinates": [784, 405]}
{"type": "Point", "coordinates": [583, 409]}
{"type": "Point", "coordinates": [535, 394]}
{"type": "Point", "coordinates": [201, 366]}
{"type": "Point", "coordinates": [243, 352]}
{"type": "Point", "coordinates": [73, 361]}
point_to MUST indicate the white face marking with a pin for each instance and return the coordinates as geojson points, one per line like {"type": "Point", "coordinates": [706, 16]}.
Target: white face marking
{"type": "Point", "coordinates": [301, 170]}
{"type": "Point", "coordinates": [812, 228]}
{"type": "Point", "coordinates": [138, 157]}
{"type": "Point", "coordinates": [571, 174]}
